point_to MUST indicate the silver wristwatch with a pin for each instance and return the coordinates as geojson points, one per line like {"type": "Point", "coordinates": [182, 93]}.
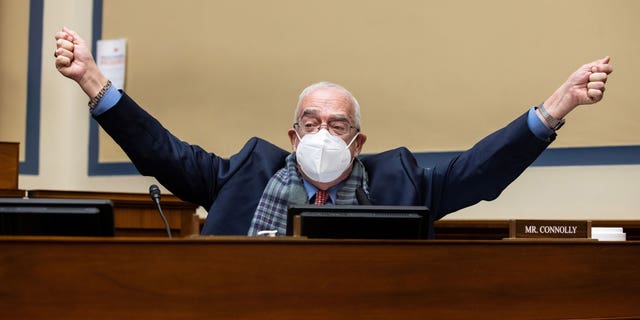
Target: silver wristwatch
{"type": "Point", "coordinates": [554, 123]}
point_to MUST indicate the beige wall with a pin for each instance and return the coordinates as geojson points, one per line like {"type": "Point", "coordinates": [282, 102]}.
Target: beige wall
{"type": "Point", "coordinates": [14, 35]}
{"type": "Point", "coordinates": [431, 75]}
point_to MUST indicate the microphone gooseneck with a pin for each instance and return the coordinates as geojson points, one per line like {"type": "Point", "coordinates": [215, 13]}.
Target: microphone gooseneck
{"type": "Point", "coordinates": [154, 191]}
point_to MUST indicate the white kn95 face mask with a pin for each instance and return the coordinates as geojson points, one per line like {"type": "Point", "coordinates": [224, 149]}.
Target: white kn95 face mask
{"type": "Point", "coordinates": [323, 157]}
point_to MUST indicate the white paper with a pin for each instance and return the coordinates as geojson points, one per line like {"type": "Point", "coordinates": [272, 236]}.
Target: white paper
{"type": "Point", "coordinates": [111, 59]}
{"type": "Point", "coordinates": [608, 234]}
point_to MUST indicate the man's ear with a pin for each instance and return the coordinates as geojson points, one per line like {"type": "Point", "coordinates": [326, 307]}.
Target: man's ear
{"type": "Point", "coordinates": [294, 139]}
{"type": "Point", "coordinates": [358, 143]}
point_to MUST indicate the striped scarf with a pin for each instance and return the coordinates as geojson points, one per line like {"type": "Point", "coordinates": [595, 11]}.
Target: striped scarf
{"type": "Point", "coordinates": [286, 188]}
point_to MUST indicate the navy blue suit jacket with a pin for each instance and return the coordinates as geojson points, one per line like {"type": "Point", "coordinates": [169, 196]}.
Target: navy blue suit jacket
{"type": "Point", "coordinates": [231, 188]}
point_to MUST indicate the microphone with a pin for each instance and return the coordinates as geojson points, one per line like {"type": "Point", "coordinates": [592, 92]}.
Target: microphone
{"type": "Point", "coordinates": [154, 191]}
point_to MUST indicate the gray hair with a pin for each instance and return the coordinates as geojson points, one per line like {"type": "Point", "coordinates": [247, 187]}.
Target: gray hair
{"type": "Point", "coordinates": [326, 84]}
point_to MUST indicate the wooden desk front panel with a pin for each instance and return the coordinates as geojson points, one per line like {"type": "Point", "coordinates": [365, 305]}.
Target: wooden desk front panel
{"type": "Point", "coordinates": [223, 278]}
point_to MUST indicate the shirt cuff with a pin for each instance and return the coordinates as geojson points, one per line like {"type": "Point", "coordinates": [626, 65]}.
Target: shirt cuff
{"type": "Point", "coordinates": [539, 129]}
{"type": "Point", "coordinates": [110, 98]}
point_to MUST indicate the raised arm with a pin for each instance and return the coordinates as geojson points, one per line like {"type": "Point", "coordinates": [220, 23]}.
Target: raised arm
{"type": "Point", "coordinates": [484, 171]}
{"type": "Point", "coordinates": [186, 170]}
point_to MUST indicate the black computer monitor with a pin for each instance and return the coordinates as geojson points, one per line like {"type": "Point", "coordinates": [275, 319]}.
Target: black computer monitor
{"type": "Point", "coordinates": [56, 217]}
{"type": "Point", "coordinates": [359, 222]}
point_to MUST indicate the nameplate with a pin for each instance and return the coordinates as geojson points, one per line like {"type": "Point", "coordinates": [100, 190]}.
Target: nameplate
{"type": "Point", "coordinates": [550, 229]}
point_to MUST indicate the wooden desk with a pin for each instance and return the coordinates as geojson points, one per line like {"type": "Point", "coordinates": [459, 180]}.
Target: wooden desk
{"type": "Point", "coordinates": [12, 193]}
{"type": "Point", "coordinates": [241, 278]}
{"type": "Point", "coordinates": [135, 214]}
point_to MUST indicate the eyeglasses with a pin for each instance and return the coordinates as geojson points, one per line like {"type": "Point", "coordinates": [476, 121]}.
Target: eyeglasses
{"type": "Point", "coordinates": [335, 127]}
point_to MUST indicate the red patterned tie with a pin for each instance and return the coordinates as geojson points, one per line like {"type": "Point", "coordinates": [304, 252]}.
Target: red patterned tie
{"type": "Point", "coordinates": [321, 197]}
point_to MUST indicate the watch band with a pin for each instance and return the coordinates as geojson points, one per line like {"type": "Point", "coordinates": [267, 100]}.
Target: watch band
{"type": "Point", "coordinates": [554, 123]}
{"type": "Point", "coordinates": [94, 101]}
